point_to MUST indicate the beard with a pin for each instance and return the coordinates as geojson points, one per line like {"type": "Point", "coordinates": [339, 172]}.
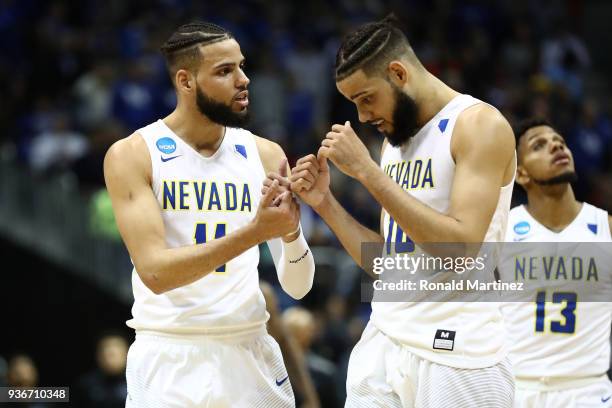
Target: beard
{"type": "Point", "coordinates": [220, 113]}
{"type": "Point", "coordinates": [567, 177]}
{"type": "Point", "coordinates": [404, 119]}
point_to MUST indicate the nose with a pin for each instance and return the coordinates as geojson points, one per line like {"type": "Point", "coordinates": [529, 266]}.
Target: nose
{"type": "Point", "coordinates": [555, 146]}
{"type": "Point", "coordinates": [243, 81]}
{"type": "Point", "coordinates": [363, 116]}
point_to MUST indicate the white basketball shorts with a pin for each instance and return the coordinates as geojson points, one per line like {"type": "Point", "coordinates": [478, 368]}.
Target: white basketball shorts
{"type": "Point", "coordinates": [597, 393]}
{"type": "Point", "coordinates": [383, 373]}
{"type": "Point", "coordinates": [187, 371]}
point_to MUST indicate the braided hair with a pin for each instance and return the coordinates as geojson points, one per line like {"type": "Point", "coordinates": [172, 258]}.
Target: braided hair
{"type": "Point", "coordinates": [371, 46]}
{"type": "Point", "coordinates": [181, 50]}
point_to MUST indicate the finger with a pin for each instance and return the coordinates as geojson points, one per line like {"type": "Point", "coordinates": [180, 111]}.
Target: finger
{"type": "Point", "coordinates": [293, 178]}
{"type": "Point", "coordinates": [312, 161]}
{"type": "Point", "coordinates": [347, 124]}
{"type": "Point", "coordinates": [277, 201]}
{"type": "Point", "coordinates": [297, 186]}
{"type": "Point", "coordinates": [282, 168]}
{"type": "Point", "coordinates": [267, 198]}
{"type": "Point", "coordinates": [323, 152]}
{"type": "Point", "coordinates": [306, 159]}
{"type": "Point", "coordinates": [282, 181]}
{"type": "Point", "coordinates": [332, 135]}
{"type": "Point", "coordinates": [337, 128]}
{"type": "Point", "coordinates": [323, 165]}
{"type": "Point", "coordinates": [305, 174]}
{"type": "Point", "coordinates": [327, 143]}
{"type": "Point", "coordinates": [312, 166]}
{"type": "Point", "coordinates": [301, 185]}
{"type": "Point", "coordinates": [285, 200]}
{"type": "Point", "coordinates": [264, 190]}
{"type": "Point", "coordinates": [313, 169]}
{"type": "Point", "coordinates": [308, 167]}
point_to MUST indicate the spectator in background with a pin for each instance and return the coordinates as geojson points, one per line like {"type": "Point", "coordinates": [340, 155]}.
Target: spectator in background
{"type": "Point", "coordinates": [301, 325]}
{"type": "Point", "coordinates": [591, 144]}
{"type": "Point", "coordinates": [310, 71]}
{"type": "Point", "coordinates": [93, 98]}
{"type": "Point", "coordinates": [57, 147]}
{"type": "Point", "coordinates": [105, 387]}
{"type": "Point", "coordinates": [518, 54]}
{"type": "Point", "coordinates": [134, 98]}
{"type": "Point", "coordinates": [591, 139]}
{"type": "Point", "coordinates": [73, 61]}
{"type": "Point", "coordinates": [268, 90]}
{"type": "Point", "coordinates": [22, 372]}
{"type": "Point", "coordinates": [88, 167]}
{"type": "Point", "coordinates": [564, 59]}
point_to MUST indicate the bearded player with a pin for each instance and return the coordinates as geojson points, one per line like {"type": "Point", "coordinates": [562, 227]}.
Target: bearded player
{"type": "Point", "coordinates": [186, 195]}
{"type": "Point", "coordinates": [446, 175]}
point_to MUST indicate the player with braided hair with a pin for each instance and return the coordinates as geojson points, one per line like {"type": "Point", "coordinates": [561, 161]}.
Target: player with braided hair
{"type": "Point", "coordinates": [446, 176]}
{"type": "Point", "coordinates": [186, 192]}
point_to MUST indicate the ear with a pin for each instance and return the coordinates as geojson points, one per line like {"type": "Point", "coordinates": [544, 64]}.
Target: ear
{"type": "Point", "coordinates": [398, 73]}
{"type": "Point", "coordinates": [185, 80]}
{"type": "Point", "coordinates": [522, 177]}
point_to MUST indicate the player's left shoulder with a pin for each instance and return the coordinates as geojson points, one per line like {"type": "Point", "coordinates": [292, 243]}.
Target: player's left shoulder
{"type": "Point", "coordinates": [483, 127]}
{"type": "Point", "coordinates": [271, 153]}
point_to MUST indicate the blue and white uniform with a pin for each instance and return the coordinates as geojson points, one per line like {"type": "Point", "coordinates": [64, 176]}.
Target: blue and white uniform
{"type": "Point", "coordinates": [396, 360]}
{"type": "Point", "coordinates": [560, 345]}
{"type": "Point", "coordinates": [205, 344]}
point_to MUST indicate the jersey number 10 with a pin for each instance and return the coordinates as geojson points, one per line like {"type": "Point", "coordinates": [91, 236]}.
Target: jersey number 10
{"type": "Point", "coordinates": [200, 237]}
{"type": "Point", "coordinates": [401, 245]}
{"type": "Point", "coordinates": [568, 312]}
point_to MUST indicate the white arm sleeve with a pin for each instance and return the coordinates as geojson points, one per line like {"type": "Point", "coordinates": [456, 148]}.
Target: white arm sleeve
{"type": "Point", "coordinates": [294, 265]}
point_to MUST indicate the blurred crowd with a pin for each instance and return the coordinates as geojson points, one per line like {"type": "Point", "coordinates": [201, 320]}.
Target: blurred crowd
{"type": "Point", "coordinates": [102, 387]}
{"type": "Point", "coordinates": [77, 76]}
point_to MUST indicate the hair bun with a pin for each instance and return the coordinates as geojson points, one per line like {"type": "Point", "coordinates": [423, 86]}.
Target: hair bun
{"type": "Point", "coordinates": [391, 20]}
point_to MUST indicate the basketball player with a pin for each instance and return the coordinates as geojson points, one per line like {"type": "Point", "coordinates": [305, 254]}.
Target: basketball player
{"type": "Point", "coordinates": [446, 175]}
{"type": "Point", "coordinates": [186, 196]}
{"type": "Point", "coordinates": [559, 347]}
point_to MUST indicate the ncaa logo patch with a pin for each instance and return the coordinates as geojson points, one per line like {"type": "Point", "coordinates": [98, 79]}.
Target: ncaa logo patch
{"type": "Point", "coordinates": [522, 228]}
{"type": "Point", "coordinates": [166, 145]}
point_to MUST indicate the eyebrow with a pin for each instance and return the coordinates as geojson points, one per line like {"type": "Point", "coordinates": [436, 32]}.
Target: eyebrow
{"type": "Point", "coordinates": [357, 95]}
{"type": "Point", "coordinates": [555, 134]}
{"type": "Point", "coordinates": [534, 136]}
{"type": "Point", "coordinates": [228, 64]}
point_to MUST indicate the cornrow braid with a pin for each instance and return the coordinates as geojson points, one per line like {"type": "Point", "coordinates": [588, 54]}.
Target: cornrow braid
{"type": "Point", "coordinates": [363, 47]}
{"type": "Point", "coordinates": [194, 33]}
{"type": "Point", "coordinates": [182, 51]}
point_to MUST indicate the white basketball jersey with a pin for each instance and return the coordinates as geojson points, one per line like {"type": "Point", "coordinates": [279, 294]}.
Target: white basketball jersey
{"type": "Point", "coordinates": [556, 335]}
{"type": "Point", "coordinates": [200, 199]}
{"type": "Point", "coordinates": [425, 169]}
